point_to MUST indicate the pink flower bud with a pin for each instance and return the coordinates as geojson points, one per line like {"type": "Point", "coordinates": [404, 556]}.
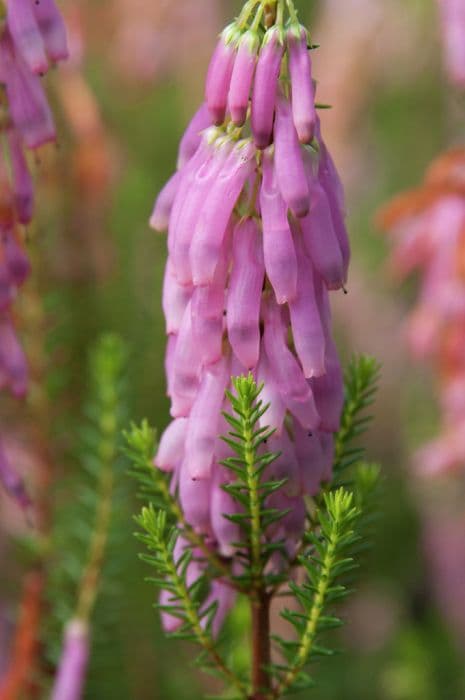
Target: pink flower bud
{"type": "Point", "coordinates": [23, 188]}
{"type": "Point", "coordinates": [208, 313]}
{"type": "Point", "coordinates": [306, 324]}
{"type": "Point", "coordinates": [244, 294]}
{"type": "Point", "coordinates": [204, 421]}
{"type": "Point", "coordinates": [12, 359]}
{"type": "Point", "coordinates": [265, 88]}
{"type": "Point", "coordinates": [310, 457]}
{"type": "Point", "coordinates": [16, 260]}
{"type": "Point", "coordinates": [160, 217]}
{"type": "Point", "coordinates": [328, 390]}
{"type": "Point", "coordinates": [271, 395]}
{"type": "Point", "coordinates": [321, 242]}
{"type": "Point", "coordinates": [72, 667]}
{"type": "Point", "coordinates": [12, 482]}
{"type": "Point", "coordinates": [215, 214]}
{"type": "Point", "coordinates": [175, 299]}
{"type": "Point", "coordinates": [28, 105]}
{"type": "Point", "coordinates": [52, 28]}
{"type": "Point", "coordinates": [193, 135]}
{"type": "Point", "coordinates": [201, 184]}
{"type": "Point", "coordinates": [226, 532]}
{"type": "Point", "coordinates": [242, 77]}
{"type": "Point", "coordinates": [170, 451]}
{"type": "Point", "coordinates": [290, 172]}
{"type": "Point", "coordinates": [26, 36]}
{"type": "Point", "coordinates": [278, 246]}
{"type": "Point", "coordinates": [194, 497]}
{"type": "Point", "coordinates": [224, 596]}
{"type": "Point", "coordinates": [303, 96]}
{"type": "Point", "coordinates": [219, 74]}
{"type": "Point", "coordinates": [185, 370]}
{"type": "Point", "coordinates": [282, 363]}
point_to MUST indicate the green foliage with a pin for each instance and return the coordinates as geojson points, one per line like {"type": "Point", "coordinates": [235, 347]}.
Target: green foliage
{"type": "Point", "coordinates": [337, 531]}
{"type": "Point", "coordinates": [360, 381]}
{"type": "Point", "coordinates": [185, 600]}
{"type": "Point", "coordinates": [326, 563]}
{"type": "Point", "coordinates": [84, 521]}
{"type": "Point", "coordinates": [251, 488]}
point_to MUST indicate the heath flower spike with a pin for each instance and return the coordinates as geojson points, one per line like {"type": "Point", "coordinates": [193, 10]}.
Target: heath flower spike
{"type": "Point", "coordinates": [32, 35]}
{"type": "Point", "coordinates": [256, 240]}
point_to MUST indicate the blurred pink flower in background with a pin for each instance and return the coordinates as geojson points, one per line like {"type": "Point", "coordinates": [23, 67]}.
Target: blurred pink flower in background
{"type": "Point", "coordinates": [427, 228]}
{"type": "Point", "coordinates": [453, 27]}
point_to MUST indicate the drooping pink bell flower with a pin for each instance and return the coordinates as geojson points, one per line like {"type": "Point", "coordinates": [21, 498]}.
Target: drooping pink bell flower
{"type": "Point", "coordinates": [244, 293]}
{"type": "Point", "coordinates": [23, 188]}
{"type": "Point", "coordinates": [72, 667]}
{"type": "Point", "coordinates": [52, 28]}
{"type": "Point", "coordinates": [265, 87]}
{"type": "Point", "coordinates": [12, 482]}
{"type": "Point", "coordinates": [26, 35]}
{"type": "Point", "coordinates": [192, 136]}
{"type": "Point", "coordinates": [278, 245]}
{"type": "Point", "coordinates": [303, 94]}
{"type": "Point", "coordinates": [219, 74]}
{"type": "Point", "coordinates": [242, 76]}
{"type": "Point", "coordinates": [164, 203]}
{"type": "Point", "coordinates": [13, 363]}
{"type": "Point", "coordinates": [290, 171]}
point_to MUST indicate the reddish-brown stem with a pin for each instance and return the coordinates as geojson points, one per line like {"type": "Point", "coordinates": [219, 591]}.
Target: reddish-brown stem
{"type": "Point", "coordinates": [260, 645]}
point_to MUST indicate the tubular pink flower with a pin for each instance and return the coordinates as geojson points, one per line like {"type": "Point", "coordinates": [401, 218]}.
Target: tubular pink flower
{"type": "Point", "coordinates": [327, 446]}
{"type": "Point", "coordinates": [72, 667]}
{"type": "Point", "coordinates": [194, 497]}
{"type": "Point", "coordinates": [328, 390]}
{"type": "Point", "coordinates": [12, 359]}
{"type": "Point", "coordinates": [244, 294]}
{"type": "Point", "coordinates": [193, 135]}
{"type": "Point", "coordinates": [202, 155]}
{"type": "Point", "coordinates": [185, 369]}
{"type": "Point", "coordinates": [289, 164]}
{"type": "Point", "coordinates": [160, 216]}
{"type": "Point", "coordinates": [219, 74]}
{"type": "Point", "coordinates": [170, 451]}
{"type": "Point", "coordinates": [282, 363]}
{"type": "Point", "coordinates": [201, 184]}
{"type": "Point", "coordinates": [286, 465]}
{"type": "Point", "coordinates": [175, 299]}
{"type": "Point", "coordinates": [331, 183]}
{"type": "Point", "coordinates": [226, 533]}
{"type": "Point", "coordinates": [242, 77]}
{"type": "Point", "coordinates": [28, 105]}
{"type": "Point", "coordinates": [265, 87]}
{"type": "Point", "coordinates": [271, 395]}
{"type": "Point", "coordinates": [306, 324]}
{"type": "Point", "coordinates": [27, 38]}
{"type": "Point", "coordinates": [303, 94]}
{"type": "Point", "coordinates": [278, 246]}
{"type": "Point", "coordinates": [23, 189]}
{"type": "Point", "coordinates": [224, 596]}
{"type": "Point", "coordinates": [52, 28]}
{"type": "Point", "coordinates": [204, 421]}
{"type": "Point", "coordinates": [12, 482]}
{"type": "Point", "coordinates": [321, 242]}
{"type": "Point", "coordinates": [17, 262]}
{"type": "Point", "coordinates": [310, 457]}
{"type": "Point", "coordinates": [207, 314]}
{"type": "Point", "coordinates": [215, 214]}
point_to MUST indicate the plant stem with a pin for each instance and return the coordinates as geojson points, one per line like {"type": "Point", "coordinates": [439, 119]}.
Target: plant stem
{"type": "Point", "coordinates": [260, 608]}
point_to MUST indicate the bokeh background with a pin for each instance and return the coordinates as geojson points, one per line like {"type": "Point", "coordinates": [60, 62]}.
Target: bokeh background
{"type": "Point", "coordinates": [123, 101]}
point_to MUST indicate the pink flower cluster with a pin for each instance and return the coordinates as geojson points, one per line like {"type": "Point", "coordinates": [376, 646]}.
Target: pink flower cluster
{"type": "Point", "coordinates": [453, 29]}
{"type": "Point", "coordinates": [32, 37]}
{"type": "Point", "coordinates": [256, 239]}
{"type": "Point", "coordinates": [428, 232]}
